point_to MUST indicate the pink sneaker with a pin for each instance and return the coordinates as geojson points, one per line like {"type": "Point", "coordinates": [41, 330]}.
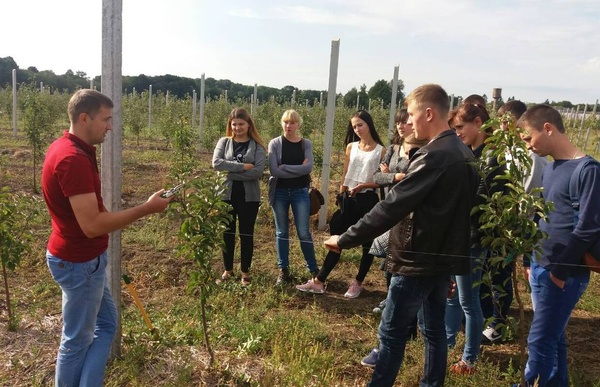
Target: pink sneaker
{"type": "Point", "coordinates": [311, 287]}
{"type": "Point", "coordinates": [354, 290]}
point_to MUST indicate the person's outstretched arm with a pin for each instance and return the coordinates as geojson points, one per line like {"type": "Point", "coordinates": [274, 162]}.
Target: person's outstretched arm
{"type": "Point", "coordinates": [94, 222]}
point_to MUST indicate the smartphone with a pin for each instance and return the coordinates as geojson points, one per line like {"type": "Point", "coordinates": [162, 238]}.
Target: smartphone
{"type": "Point", "coordinates": [172, 191]}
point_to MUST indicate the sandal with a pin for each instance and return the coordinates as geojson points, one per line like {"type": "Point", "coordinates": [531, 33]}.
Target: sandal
{"type": "Point", "coordinates": [226, 275]}
{"type": "Point", "coordinates": [246, 281]}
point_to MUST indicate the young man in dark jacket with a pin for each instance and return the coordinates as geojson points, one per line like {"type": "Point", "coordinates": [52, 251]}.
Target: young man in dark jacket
{"type": "Point", "coordinates": [438, 190]}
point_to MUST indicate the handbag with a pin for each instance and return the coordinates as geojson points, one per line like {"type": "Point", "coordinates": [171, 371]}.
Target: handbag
{"type": "Point", "coordinates": [402, 234]}
{"type": "Point", "coordinates": [590, 258]}
{"type": "Point", "coordinates": [381, 245]}
{"type": "Point", "coordinates": [592, 263]}
{"type": "Point", "coordinates": [316, 200]}
{"type": "Point", "coordinates": [272, 184]}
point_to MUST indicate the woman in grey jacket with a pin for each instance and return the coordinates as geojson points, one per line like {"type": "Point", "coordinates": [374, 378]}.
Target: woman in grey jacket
{"type": "Point", "coordinates": [290, 163]}
{"type": "Point", "coordinates": [241, 153]}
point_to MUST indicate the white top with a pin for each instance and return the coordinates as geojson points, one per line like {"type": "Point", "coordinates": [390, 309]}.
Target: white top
{"type": "Point", "coordinates": [362, 166]}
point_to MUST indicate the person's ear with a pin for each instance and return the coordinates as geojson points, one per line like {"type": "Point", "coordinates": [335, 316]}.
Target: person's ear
{"type": "Point", "coordinates": [429, 114]}
{"type": "Point", "coordinates": [548, 128]}
{"type": "Point", "coordinates": [83, 118]}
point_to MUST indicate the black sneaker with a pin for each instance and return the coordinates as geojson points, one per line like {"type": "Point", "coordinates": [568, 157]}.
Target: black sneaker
{"type": "Point", "coordinates": [371, 359]}
{"type": "Point", "coordinates": [283, 277]}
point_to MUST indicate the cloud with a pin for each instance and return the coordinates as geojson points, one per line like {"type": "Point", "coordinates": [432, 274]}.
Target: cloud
{"type": "Point", "coordinates": [592, 65]}
{"type": "Point", "coordinates": [245, 13]}
{"type": "Point", "coordinates": [328, 13]}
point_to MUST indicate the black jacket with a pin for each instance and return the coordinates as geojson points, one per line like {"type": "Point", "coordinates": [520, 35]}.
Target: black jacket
{"type": "Point", "coordinates": [439, 187]}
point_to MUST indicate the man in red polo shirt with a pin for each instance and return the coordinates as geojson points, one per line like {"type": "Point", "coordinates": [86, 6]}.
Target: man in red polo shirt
{"type": "Point", "coordinates": [76, 253]}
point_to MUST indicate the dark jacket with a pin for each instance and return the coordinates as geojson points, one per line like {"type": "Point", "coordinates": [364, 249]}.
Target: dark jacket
{"type": "Point", "coordinates": [439, 187]}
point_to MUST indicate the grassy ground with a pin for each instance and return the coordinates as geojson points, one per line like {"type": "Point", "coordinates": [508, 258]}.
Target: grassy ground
{"type": "Point", "coordinates": [262, 335]}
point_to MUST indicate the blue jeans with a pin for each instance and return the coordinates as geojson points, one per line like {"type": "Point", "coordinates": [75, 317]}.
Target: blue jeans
{"type": "Point", "coordinates": [466, 299]}
{"type": "Point", "coordinates": [552, 309]}
{"type": "Point", "coordinates": [298, 199]}
{"type": "Point", "coordinates": [406, 295]}
{"type": "Point", "coordinates": [89, 320]}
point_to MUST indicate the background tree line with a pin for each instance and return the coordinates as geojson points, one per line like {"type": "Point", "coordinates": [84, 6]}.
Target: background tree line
{"type": "Point", "coordinates": [380, 92]}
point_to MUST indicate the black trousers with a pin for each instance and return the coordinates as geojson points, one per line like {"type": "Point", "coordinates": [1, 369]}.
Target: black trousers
{"type": "Point", "coordinates": [364, 202]}
{"type": "Point", "coordinates": [243, 213]}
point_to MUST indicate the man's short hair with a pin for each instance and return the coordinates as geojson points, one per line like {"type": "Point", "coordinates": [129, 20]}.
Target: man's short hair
{"type": "Point", "coordinates": [515, 108]}
{"type": "Point", "coordinates": [535, 117]}
{"type": "Point", "coordinates": [87, 101]}
{"type": "Point", "coordinates": [431, 95]}
{"type": "Point", "coordinates": [475, 99]}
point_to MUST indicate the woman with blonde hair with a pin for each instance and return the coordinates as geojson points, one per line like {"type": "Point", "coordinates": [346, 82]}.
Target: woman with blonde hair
{"type": "Point", "coordinates": [290, 163]}
{"type": "Point", "coordinates": [241, 153]}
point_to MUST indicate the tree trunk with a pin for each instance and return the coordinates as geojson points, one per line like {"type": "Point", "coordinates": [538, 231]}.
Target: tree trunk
{"type": "Point", "coordinates": [8, 308]}
{"type": "Point", "coordinates": [205, 328]}
{"type": "Point", "coordinates": [522, 331]}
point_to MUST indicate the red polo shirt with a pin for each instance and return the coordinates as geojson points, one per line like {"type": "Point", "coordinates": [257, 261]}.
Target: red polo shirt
{"type": "Point", "coordinates": [70, 168]}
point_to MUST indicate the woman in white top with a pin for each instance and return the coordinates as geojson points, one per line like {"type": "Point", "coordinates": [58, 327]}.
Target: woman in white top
{"type": "Point", "coordinates": [364, 153]}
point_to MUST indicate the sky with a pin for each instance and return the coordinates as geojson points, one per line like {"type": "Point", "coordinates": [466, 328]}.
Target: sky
{"type": "Point", "coordinates": [533, 50]}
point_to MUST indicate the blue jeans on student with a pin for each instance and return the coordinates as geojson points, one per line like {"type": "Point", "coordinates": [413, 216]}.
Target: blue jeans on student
{"type": "Point", "coordinates": [406, 295]}
{"type": "Point", "coordinates": [89, 320]}
{"type": "Point", "coordinates": [298, 199]}
{"type": "Point", "coordinates": [466, 300]}
{"type": "Point", "coordinates": [552, 309]}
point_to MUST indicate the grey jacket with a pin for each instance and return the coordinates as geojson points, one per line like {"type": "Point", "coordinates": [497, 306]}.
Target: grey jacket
{"type": "Point", "coordinates": [396, 162]}
{"type": "Point", "coordinates": [283, 171]}
{"type": "Point", "coordinates": [223, 160]}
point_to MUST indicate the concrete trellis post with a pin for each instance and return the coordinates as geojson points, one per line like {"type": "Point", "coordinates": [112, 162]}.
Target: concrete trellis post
{"type": "Point", "coordinates": [149, 107]}
{"type": "Point", "coordinates": [321, 99]}
{"type": "Point", "coordinates": [254, 106]}
{"type": "Point", "coordinates": [587, 133]}
{"type": "Point", "coordinates": [575, 116]}
{"type": "Point", "coordinates": [581, 125]}
{"type": "Point", "coordinates": [333, 70]}
{"type": "Point", "coordinates": [201, 119]}
{"type": "Point", "coordinates": [111, 150]}
{"type": "Point", "coordinates": [194, 108]}
{"type": "Point", "coordinates": [393, 103]}
{"type": "Point", "coordinates": [14, 95]}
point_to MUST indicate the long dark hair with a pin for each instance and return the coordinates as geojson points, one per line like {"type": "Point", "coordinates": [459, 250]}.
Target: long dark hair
{"type": "Point", "coordinates": [400, 118]}
{"type": "Point", "coordinates": [366, 117]}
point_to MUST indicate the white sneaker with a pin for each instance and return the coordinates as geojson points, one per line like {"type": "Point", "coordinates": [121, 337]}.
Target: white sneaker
{"type": "Point", "coordinates": [354, 290]}
{"type": "Point", "coordinates": [490, 335]}
{"type": "Point", "coordinates": [311, 287]}
{"type": "Point", "coordinates": [379, 308]}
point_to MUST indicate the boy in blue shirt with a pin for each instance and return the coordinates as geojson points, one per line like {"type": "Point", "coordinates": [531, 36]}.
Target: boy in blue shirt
{"type": "Point", "coordinates": [558, 278]}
